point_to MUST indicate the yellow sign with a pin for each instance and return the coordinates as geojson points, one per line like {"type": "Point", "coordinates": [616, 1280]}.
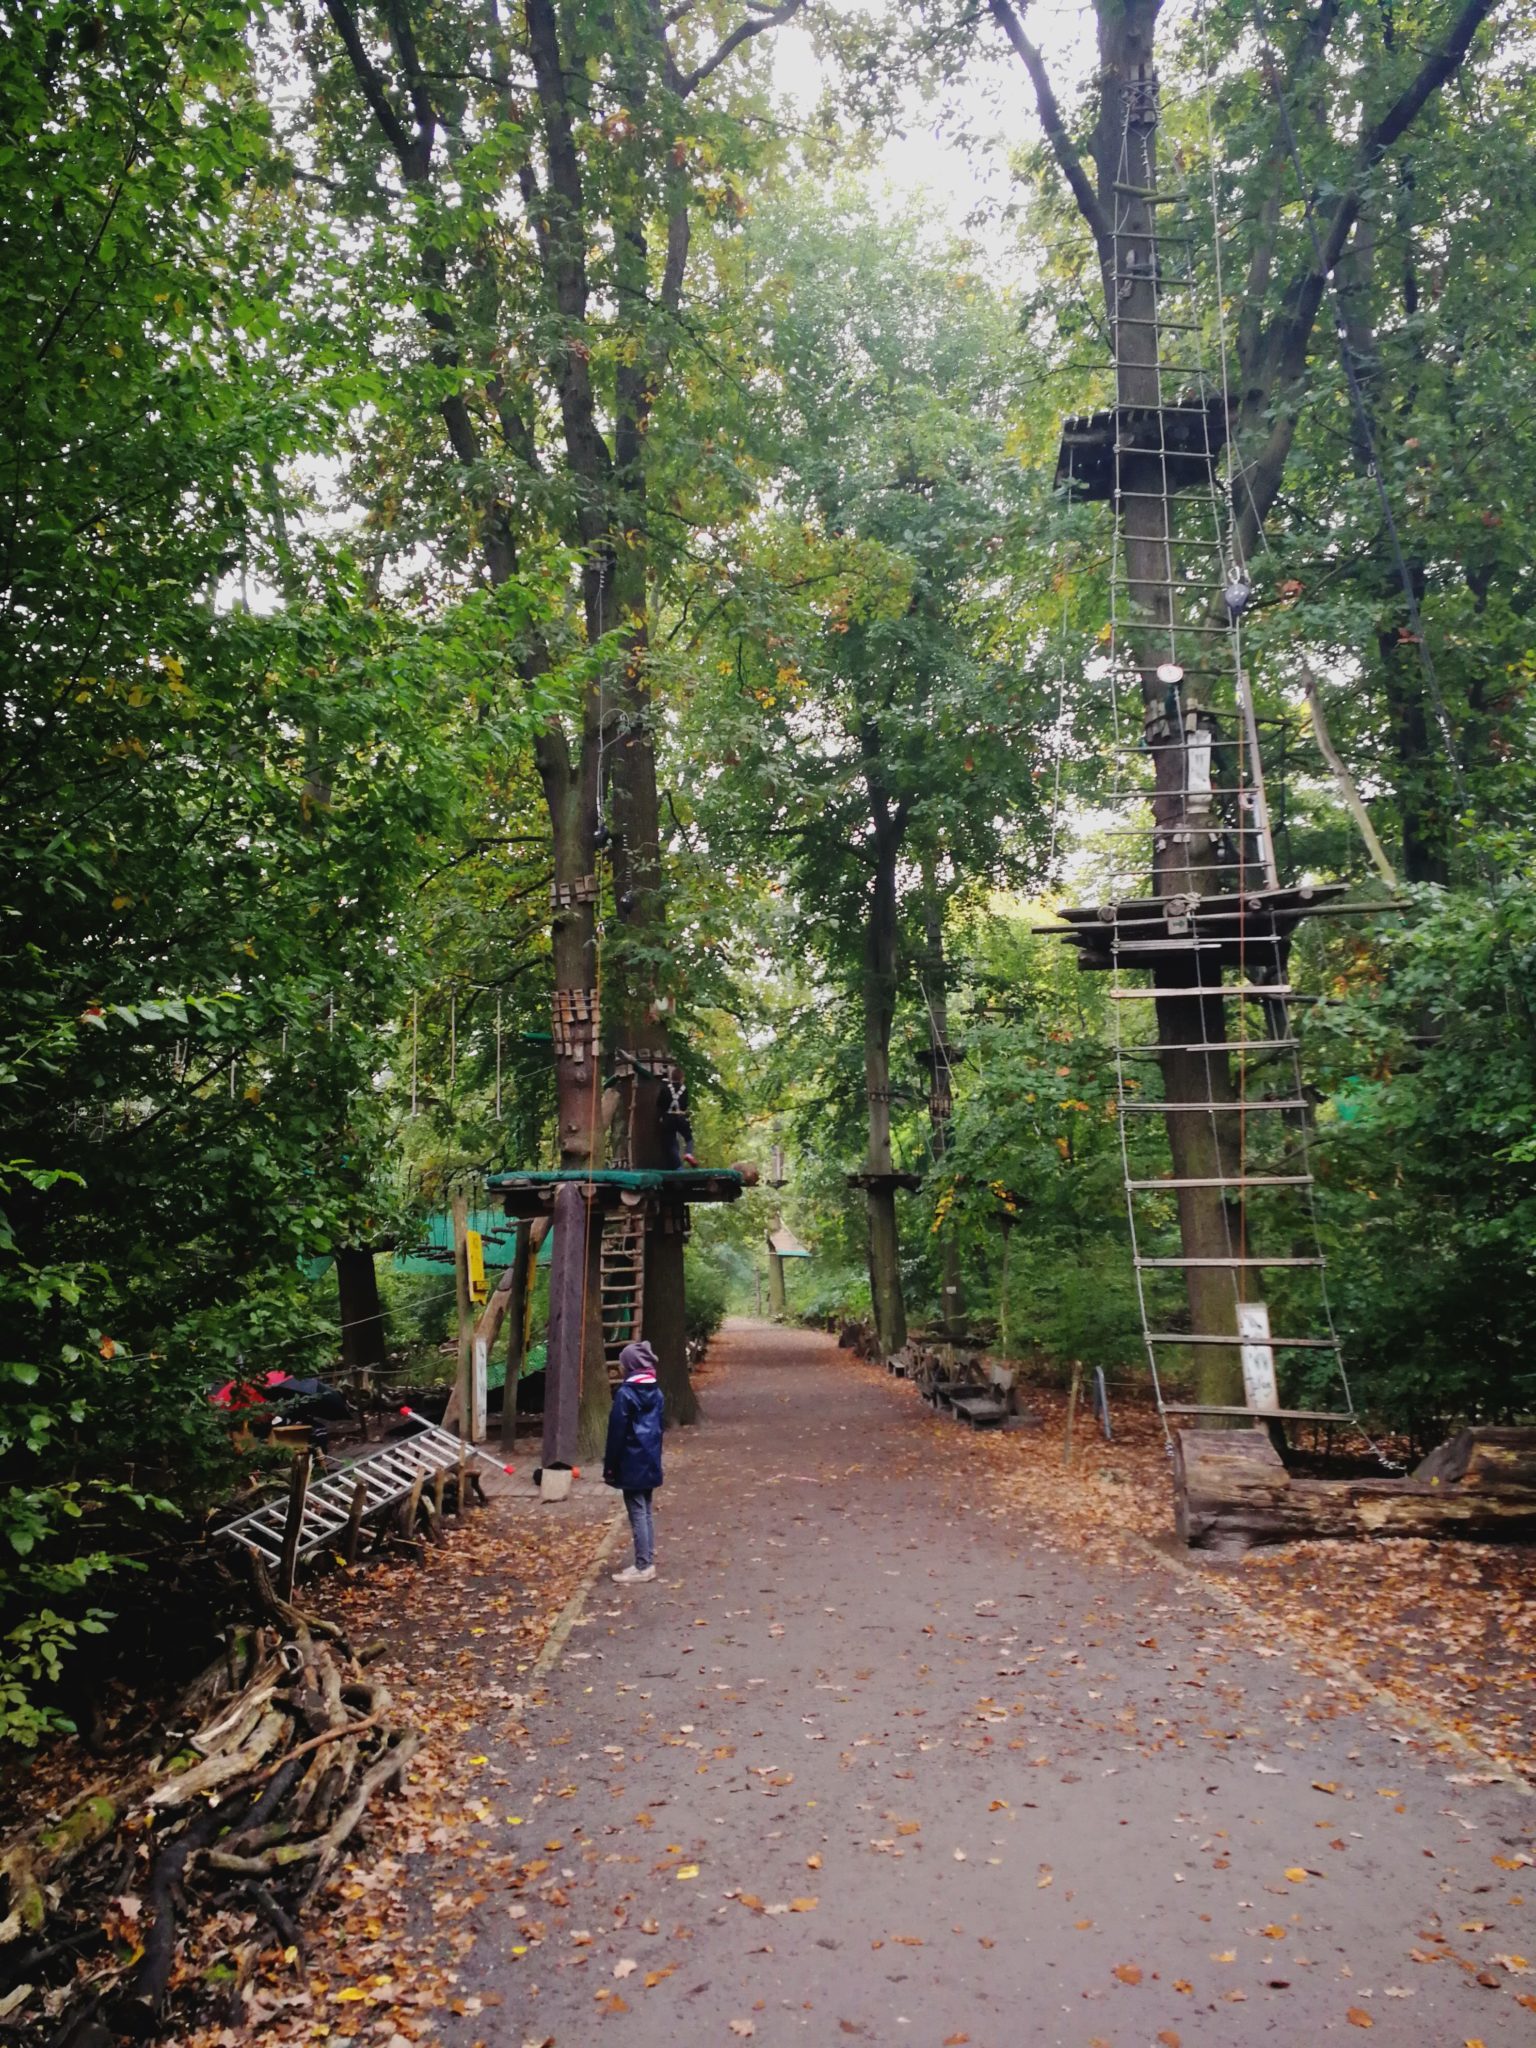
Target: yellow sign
{"type": "Point", "coordinates": [474, 1259]}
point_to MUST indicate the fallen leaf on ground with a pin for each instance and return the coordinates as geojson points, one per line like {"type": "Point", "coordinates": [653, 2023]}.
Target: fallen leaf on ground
{"type": "Point", "coordinates": [744, 2028]}
{"type": "Point", "coordinates": [1357, 2017]}
{"type": "Point", "coordinates": [803, 1905]}
{"type": "Point", "coordinates": [626, 1968]}
{"type": "Point", "coordinates": [1128, 1973]}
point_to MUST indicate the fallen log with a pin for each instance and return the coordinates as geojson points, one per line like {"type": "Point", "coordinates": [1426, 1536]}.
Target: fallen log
{"type": "Point", "coordinates": [1482, 1458]}
{"type": "Point", "coordinates": [1232, 1492]}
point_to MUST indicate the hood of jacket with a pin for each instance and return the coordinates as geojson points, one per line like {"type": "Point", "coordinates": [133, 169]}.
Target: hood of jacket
{"type": "Point", "coordinates": [637, 1362]}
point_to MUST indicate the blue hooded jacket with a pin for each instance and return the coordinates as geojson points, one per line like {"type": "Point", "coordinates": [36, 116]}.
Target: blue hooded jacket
{"type": "Point", "coordinates": [632, 1455]}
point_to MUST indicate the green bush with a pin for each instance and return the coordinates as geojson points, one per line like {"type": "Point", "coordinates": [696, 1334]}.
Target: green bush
{"type": "Point", "coordinates": [707, 1297]}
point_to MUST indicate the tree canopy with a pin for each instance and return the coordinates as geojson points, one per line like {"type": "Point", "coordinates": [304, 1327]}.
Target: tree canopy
{"type": "Point", "coordinates": [504, 505]}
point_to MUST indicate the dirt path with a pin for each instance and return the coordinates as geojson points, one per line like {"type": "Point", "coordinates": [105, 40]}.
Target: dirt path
{"type": "Point", "coordinates": [870, 1760]}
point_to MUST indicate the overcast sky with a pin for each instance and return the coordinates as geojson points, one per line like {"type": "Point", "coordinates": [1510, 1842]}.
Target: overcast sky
{"type": "Point", "coordinates": [995, 101]}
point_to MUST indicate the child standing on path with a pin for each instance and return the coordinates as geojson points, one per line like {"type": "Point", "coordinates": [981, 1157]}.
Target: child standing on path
{"type": "Point", "coordinates": [632, 1455]}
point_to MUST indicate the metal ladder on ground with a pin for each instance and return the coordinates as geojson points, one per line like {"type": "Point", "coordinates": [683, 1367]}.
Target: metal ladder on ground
{"type": "Point", "coordinates": [623, 1284]}
{"type": "Point", "coordinates": [387, 1475]}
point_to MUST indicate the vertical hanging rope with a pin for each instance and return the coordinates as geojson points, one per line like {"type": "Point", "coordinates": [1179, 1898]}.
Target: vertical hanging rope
{"type": "Point", "coordinates": [498, 1059]}
{"type": "Point", "coordinates": [415, 1046]}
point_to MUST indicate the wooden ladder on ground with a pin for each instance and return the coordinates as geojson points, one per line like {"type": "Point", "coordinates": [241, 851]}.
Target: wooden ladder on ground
{"type": "Point", "coordinates": [623, 1284]}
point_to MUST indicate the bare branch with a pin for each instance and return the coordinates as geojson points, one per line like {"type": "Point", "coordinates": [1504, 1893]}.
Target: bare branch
{"type": "Point", "coordinates": [1436, 69]}
{"type": "Point", "coordinates": [1062, 145]}
{"type": "Point", "coordinates": [394, 129]}
{"type": "Point", "coordinates": [403, 36]}
{"type": "Point", "coordinates": [743, 32]}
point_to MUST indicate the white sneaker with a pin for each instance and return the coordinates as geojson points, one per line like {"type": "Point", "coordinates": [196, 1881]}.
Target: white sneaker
{"type": "Point", "coordinates": [633, 1576]}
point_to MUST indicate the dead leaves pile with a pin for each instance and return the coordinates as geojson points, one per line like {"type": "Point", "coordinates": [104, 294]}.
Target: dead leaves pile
{"type": "Point", "coordinates": [464, 1631]}
{"type": "Point", "coordinates": [1448, 1627]}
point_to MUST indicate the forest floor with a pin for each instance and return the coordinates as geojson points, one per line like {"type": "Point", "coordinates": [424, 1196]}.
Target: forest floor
{"type": "Point", "coordinates": [915, 1733]}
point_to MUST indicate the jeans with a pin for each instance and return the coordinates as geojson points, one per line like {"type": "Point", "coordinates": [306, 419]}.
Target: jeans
{"type": "Point", "coordinates": [642, 1522]}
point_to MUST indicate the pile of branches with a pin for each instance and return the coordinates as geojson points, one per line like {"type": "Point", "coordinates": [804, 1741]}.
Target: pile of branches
{"type": "Point", "coordinates": [152, 1897]}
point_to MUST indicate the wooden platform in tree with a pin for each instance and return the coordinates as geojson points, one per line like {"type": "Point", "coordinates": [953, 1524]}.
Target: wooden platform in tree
{"type": "Point", "coordinates": [532, 1193]}
{"type": "Point", "coordinates": [1225, 931]}
{"type": "Point", "coordinates": [1181, 439]}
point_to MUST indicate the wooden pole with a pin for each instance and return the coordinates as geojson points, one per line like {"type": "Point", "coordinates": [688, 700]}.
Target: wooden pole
{"type": "Point", "coordinates": [567, 1299]}
{"type": "Point", "coordinates": [1072, 1400]}
{"type": "Point", "coordinates": [517, 1328]}
{"type": "Point", "coordinates": [298, 1494]}
{"type": "Point", "coordinates": [464, 1384]}
{"type": "Point", "coordinates": [354, 1536]}
{"type": "Point", "coordinates": [778, 1306]}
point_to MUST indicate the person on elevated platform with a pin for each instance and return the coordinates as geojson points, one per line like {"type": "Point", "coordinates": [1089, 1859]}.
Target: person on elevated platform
{"type": "Point", "coordinates": [676, 1124]}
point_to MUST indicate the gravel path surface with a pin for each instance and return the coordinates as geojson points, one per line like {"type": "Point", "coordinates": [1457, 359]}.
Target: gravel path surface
{"type": "Point", "coordinates": [869, 1761]}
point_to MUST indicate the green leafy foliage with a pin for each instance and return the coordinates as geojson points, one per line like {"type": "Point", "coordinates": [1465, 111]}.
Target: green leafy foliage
{"type": "Point", "coordinates": [1428, 1160]}
{"type": "Point", "coordinates": [223, 767]}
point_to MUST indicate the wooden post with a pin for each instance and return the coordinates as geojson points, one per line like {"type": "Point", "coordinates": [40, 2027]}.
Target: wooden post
{"type": "Point", "coordinates": [1072, 1400]}
{"type": "Point", "coordinates": [778, 1305]}
{"type": "Point", "coordinates": [517, 1327]}
{"type": "Point", "coordinates": [464, 1386]}
{"type": "Point", "coordinates": [567, 1295]}
{"type": "Point", "coordinates": [362, 1317]}
{"type": "Point", "coordinates": [409, 1509]}
{"type": "Point", "coordinates": [298, 1494]}
{"type": "Point", "coordinates": [352, 1542]}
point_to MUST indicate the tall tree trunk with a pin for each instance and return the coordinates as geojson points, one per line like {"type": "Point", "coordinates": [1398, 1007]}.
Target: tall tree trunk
{"type": "Point", "coordinates": [880, 937]}
{"type": "Point", "coordinates": [1186, 844]}
{"type": "Point", "coordinates": [941, 1096]}
{"type": "Point", "coordinates": [362, 1318]}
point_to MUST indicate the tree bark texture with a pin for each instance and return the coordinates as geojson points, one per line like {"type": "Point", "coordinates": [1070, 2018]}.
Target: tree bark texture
{"type": "Point", "coordinates": [941, 1099]}
{"type": "Point", "coordinates": [880, 941]}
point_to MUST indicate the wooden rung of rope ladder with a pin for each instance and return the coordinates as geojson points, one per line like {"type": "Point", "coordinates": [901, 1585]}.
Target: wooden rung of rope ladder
{"type": "Point", "coordinates": [1151, 1052]}
{"type": "Point", "coordinates": [1228, 991]}
{"type": "Point", "coordinates": [1270, 1343]}
{"type": "Point", "coordinates": [1260, 1414]}
{"type": "Point", "coordinates": [387, 1474]}
{"type": "Point", "coordinates": [623, 1284]}
{"type": "Point", "coordinates": [1235, 1262]}
{"type": "Point", "coordinates": [1229, 1180]}
{"type": "Point", "coordinates": [1248, 1108]}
